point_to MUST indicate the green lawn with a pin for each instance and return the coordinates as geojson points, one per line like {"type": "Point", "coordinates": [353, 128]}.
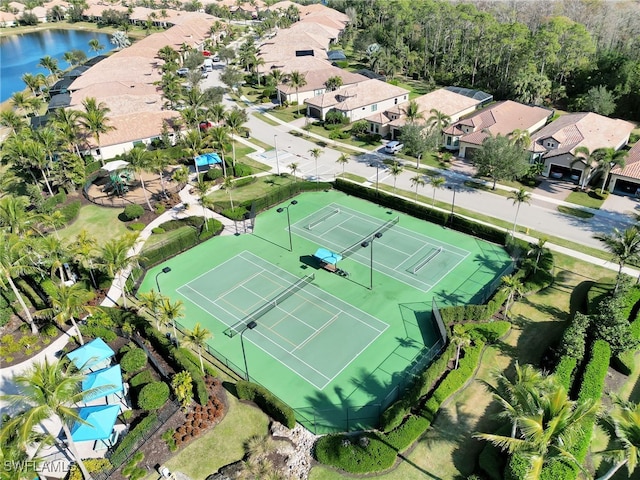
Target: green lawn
{"type": "Point", "coordinates": [591, 199]}
{"type": "Point", "coordinates": [257, 189]}
{"type": "Point", "coordinates": [222, 445]}
{"type": "Point", "coordinates": [576, 212]}
{"type": "Point", "coordinates": [101, 222]}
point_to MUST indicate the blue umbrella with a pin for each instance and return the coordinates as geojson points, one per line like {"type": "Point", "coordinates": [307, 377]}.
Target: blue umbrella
{"type": "Point", "coordinates": [100, 421]}
{"type": "Point", "coordinates": [91, 354]}
{"type": "Point", "coordinates": [109, 380]}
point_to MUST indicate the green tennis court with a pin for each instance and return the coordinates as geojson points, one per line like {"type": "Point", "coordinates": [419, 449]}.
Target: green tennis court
{"type": "Point", "coordinates": [331, 347]}
{"type": "Point", "coordinates": [296, 331]}
{"type": "Point", "coordinates": [411, 257]}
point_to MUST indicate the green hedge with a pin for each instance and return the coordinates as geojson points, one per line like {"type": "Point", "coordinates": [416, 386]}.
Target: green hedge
{"type": "Point", "coordinates": [564, 371]}
{"type": "Point", "coordinates": [267, 401]}
{"type": "Point", "coordinates": [362, 454]}
{"type": "Point", "coordinates": [488, 332]}
{"type": "Point", "coordinates": [158, 253]}
{"type": "Point", "coordinates": [183, 357]}
{"type": "Point", "coordinates": [153, 396]}
{"type": "Point", "coordinates": [123, 449]}
{"type": "Point", "coordinates": [476, 313]}
{"type": "Point", "coordinates": [406, 434]}
{"type": "Point", "coordinates": [423, 212]}
{"type": "Point", "coordinates": [133, 361]}
{"type": "Point", "coordinates": [142, 378]}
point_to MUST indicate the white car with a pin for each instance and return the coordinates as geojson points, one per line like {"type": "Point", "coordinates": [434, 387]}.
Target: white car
{"type": "Point", "coordinates": [182, 71]}
{"type": "Point", "coordinates": [393, 147]}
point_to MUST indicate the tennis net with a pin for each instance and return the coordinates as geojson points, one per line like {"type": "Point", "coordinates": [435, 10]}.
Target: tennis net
{"type": "Point", "coordinates": [324, 218]}
{"type": "Point", "coordinates": [358, 245]}
{"type": "Point", "coordinates": [238, 327]}
{"type": "Point", "coordinates": [426, 259]}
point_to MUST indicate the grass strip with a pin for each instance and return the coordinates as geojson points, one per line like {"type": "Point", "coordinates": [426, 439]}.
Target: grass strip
{"type": "Point", "coordinates": [576, 212]}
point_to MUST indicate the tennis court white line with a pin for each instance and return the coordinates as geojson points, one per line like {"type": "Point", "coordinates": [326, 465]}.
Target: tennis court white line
{"type": "Point", "coordinates": [314, 334]}
{"type": "Point", "coordinates": [326, 293]}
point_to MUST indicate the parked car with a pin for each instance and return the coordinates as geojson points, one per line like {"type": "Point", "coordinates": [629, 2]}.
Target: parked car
{"type": "Point", "coordinates": [215, 58]}
{"type": "Point", "coordinates": [204, 126]}
{"type": "Point", "coordinates": [182, 71]}
{"type": "Point", "coordinates": [393, 147]}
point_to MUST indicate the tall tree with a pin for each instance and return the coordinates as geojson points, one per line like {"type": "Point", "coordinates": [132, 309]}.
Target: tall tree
{"type": "Point", "coordinates": [343, 160]}
{"type": "Point", "coordinates": [418, 181]}
{"type": "Point", "coordinates": [395, 170]}
{"type": "Point", "coordinates": [51, 65]}
{"type": "Point", "coordinates": [437, 182]}
{"type": "Point", "coordinates": [235, 119]}
{"type": "Point", "coordinates": [169, 313]}
{"type": "Point", "coordinates": [67, 304]}
{"type": "Point", "coordinates": [315, 153]}
{"type": "Point", "coordinates": [461, 338]}
{"type": "Point", "coordinates": [140, 159]}
{"type": "Point", "coordinates": [293, 166]}
{"type": "Point", "coordinates": [623, 425]}
{"type": "Point", "coordinates": [95, 45]}
{"type": "Point", "coordinates": [49, 390]}
{"type": "Point", "coordinates": [412, 111]}
{"type": "Point", "coordinates": [116, 259]}
{"type": "Point", "coordinates": [624, 245]}
{"type": "Point", "coordinates": [499, 159]}
{"type": "Point", "coordinates": [15, 261]}
{"type": "Point", "coordinates": [201, 187]}
{"type": "Point", "coordinates": [513, 288]}
{"type": "Point", "coordinates": [220, 137]}
{"type": "Point", "coordinates": [519, 197]}
{"type": "Point", "coordinates": [607, 159]}
{"type": "Point", "coordinates": [297, 81]}
{"type": "Point", "coordinates": [198, 337]}
{"type": "Point", "coordinates": [95, 120]}
{"type": "Point", "coordinates": [151, 302]}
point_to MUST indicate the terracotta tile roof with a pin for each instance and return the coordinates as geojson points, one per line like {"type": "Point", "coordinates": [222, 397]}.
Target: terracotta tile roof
{"type": "Point", "coordinates": [316, 9]}
{"type": "Point", "coordinates": [381, 118]}
{"type": "Point", "coordinates": [583, 129]}
{"type": "Point", "coordinates": [632, 164]}
{"type": "Point", "coordinates": [501, 118]}
{"type": "Point", "coordinates": [317, 78]}
{"type": "Point", "coordinates": [358, 95]}
{"type": "Point", "coordinates": [95, 10]}
{"type": "Point", "coordinates": [135, 126]}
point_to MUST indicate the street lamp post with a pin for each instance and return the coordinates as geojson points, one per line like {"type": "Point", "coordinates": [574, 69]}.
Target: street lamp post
{"type": "Point", "coordinates": [164, 270]}
{"type": "Point", "coordinates": [249, 326]}
{"type": "Point", "coordinates": [369, 243]}
{"type": "Point", "coordinates": [275, 143]}
{"type": "Point", "coordinates": [282, 209]}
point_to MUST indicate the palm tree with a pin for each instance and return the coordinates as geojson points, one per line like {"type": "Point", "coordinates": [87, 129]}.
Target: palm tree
{"type": "Point", "coordinates": [151, 301]}
{"type": "Point", "coordinates": [140, 161]}
{"type": "Point", "coordinates": [234, 120]}
{"type": "Point", "coordinates": [277, 77]}
{"type": "Point", "coordinates": [548, 427]}
{"type": "Point", "coordinates": [169, 312]}
{"type": "Point", "coordinates": [115, 259]}
{"type": "Point", "coordinates": [395, 170]}
{"type": "Point", "coordinates": [513, 287]}
{"type": "Point", "coordinates": [607, 159]}
{"type": "Point", "coordinates": [51, 64]}
{"type": "Point", "coordinates": [624, 426]}
{"type": "Point", "coordinates": [297, 80]}
{"type": "Point", "coordinates": [294, 168]}
{"type": "Point", "coordinates": [537, 250]}
{"type": "Point", "coordinates": [15, 261]}
{"type": "Point", "coordinates": [20, 101]}
{"type": "Point", "coordinates": [519, 197]}
{"type": "Point", "coordinates": [50, 390]}
{"type": "Point", "coordinates": [95, 45]}
{"type": "Point", "coordinates": [32, 82]}
{"type": "Point", "coordinates": [315, 153]}
{"type": "Point", "coordinates": [418, 181]}
{"type": "Point", "coordinates": [158, 162]}
{"type": "Point", "coordinates": [625, 247]}
{"type": "Point", "coordinates": [13, 121]}
{"type": "Point", "coordinates": [14, 216]}
{"type": "Point", "coordinates": [68, 303]}
{"type": "Point", "coordinates": [197, 337]}
{"type": "Point", "coordinates": [343, 160]}
{"type": "Point", "coordinates": [582, 153]}
{"type": "Point", "coordinates": [201, 188]}
{"type": "Point", "coordinates": [17, 451]}
{"type": "Point", "coordinates": [461, 338]}
{"type": "Point", "coordinates": [66, 121]}
{"type": "Point", "coordinates": [412, 111]}
{"type": "Point", "coordinates": [85, 249]}
{"type": "Point", "coordinates": [95, 120]}
{"type": "Point", "coordinates": [521, 138]}
{"type": "Point", "coordinates": [439, 121]}
{"type": "Point", "coordinates": [228, 185]}
{"type": "Point", "coordinates": [220, 137]}
{"type": "Point", "coordinates": [49, 139]}
{"type": "Point", "coordinates": [436, 183]}
{"type": "Point", "coordinates": [257, 62]}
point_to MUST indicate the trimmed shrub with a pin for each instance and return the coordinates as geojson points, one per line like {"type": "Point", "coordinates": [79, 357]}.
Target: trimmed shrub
{"type": "Point", "coordinates": [564, 371]}
{"type": "Point", "coordinates": [136, 227]}
{"type": "Point", "coordinates": [158, 230]}
{"type": "Point", "coordinates": [153, 396]}
{"type": "Point", "coordinates": [133, 361]}
{"type": "Point", "coordinates": [213, 174]}
{"type": "Point", "coordinates": [267, 401]}
{"type": "Point", "coordinates": [214, 228]}
{"type": "Point", "coordinates": [237, 213]}
{"type": "Point", "coordinates": [244, 181]}
{"type": "Point", "coordinates": [574, 337]}
{"type": "Point", "coordinates": [141, 378]}
{"type": "Point", "coordinates": [242, 170]}
{"type": "Point", "coordinates": [131, 212]}
{"type": "Point", "coordinates": [93, 465]}
{"type": "Point", "coordinates": [159, 208]}
{"type": "Point", "coordinates": [411, 429]}
{"type": "Point", "coordinates": [347, 453]}
{"type": "Point", "coordinates": [488, 332]}
{"type": "Point", "coordinates": [517, 467]}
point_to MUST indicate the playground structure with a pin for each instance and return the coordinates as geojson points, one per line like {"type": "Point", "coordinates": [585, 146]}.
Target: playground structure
{"type": "Point", "coordinates": [119, 182]}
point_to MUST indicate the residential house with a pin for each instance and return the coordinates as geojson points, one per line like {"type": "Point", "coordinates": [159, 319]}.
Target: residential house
{"type": "Point", "coordinates": [451, 101]}
{"type": "Point", "coordinates": [555, 144]}
{"type": "Point", "coordinates": [9, 19]}
{"type": "Point", "coordinates": [626, 180]}
{"type": "Point", "coordinates": [315, 79]}
{"type": "Point", "coordinates": [357, 101]}
{"type": "Point", "coordinates": [502, 118]}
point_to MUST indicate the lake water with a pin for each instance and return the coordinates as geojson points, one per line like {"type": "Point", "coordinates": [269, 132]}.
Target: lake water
{"type": "Point", "coordinates": [21, 53]}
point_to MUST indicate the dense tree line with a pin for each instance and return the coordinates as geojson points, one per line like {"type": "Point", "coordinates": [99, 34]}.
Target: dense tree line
{"type": "Point", "coordinates": [575, 54]}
